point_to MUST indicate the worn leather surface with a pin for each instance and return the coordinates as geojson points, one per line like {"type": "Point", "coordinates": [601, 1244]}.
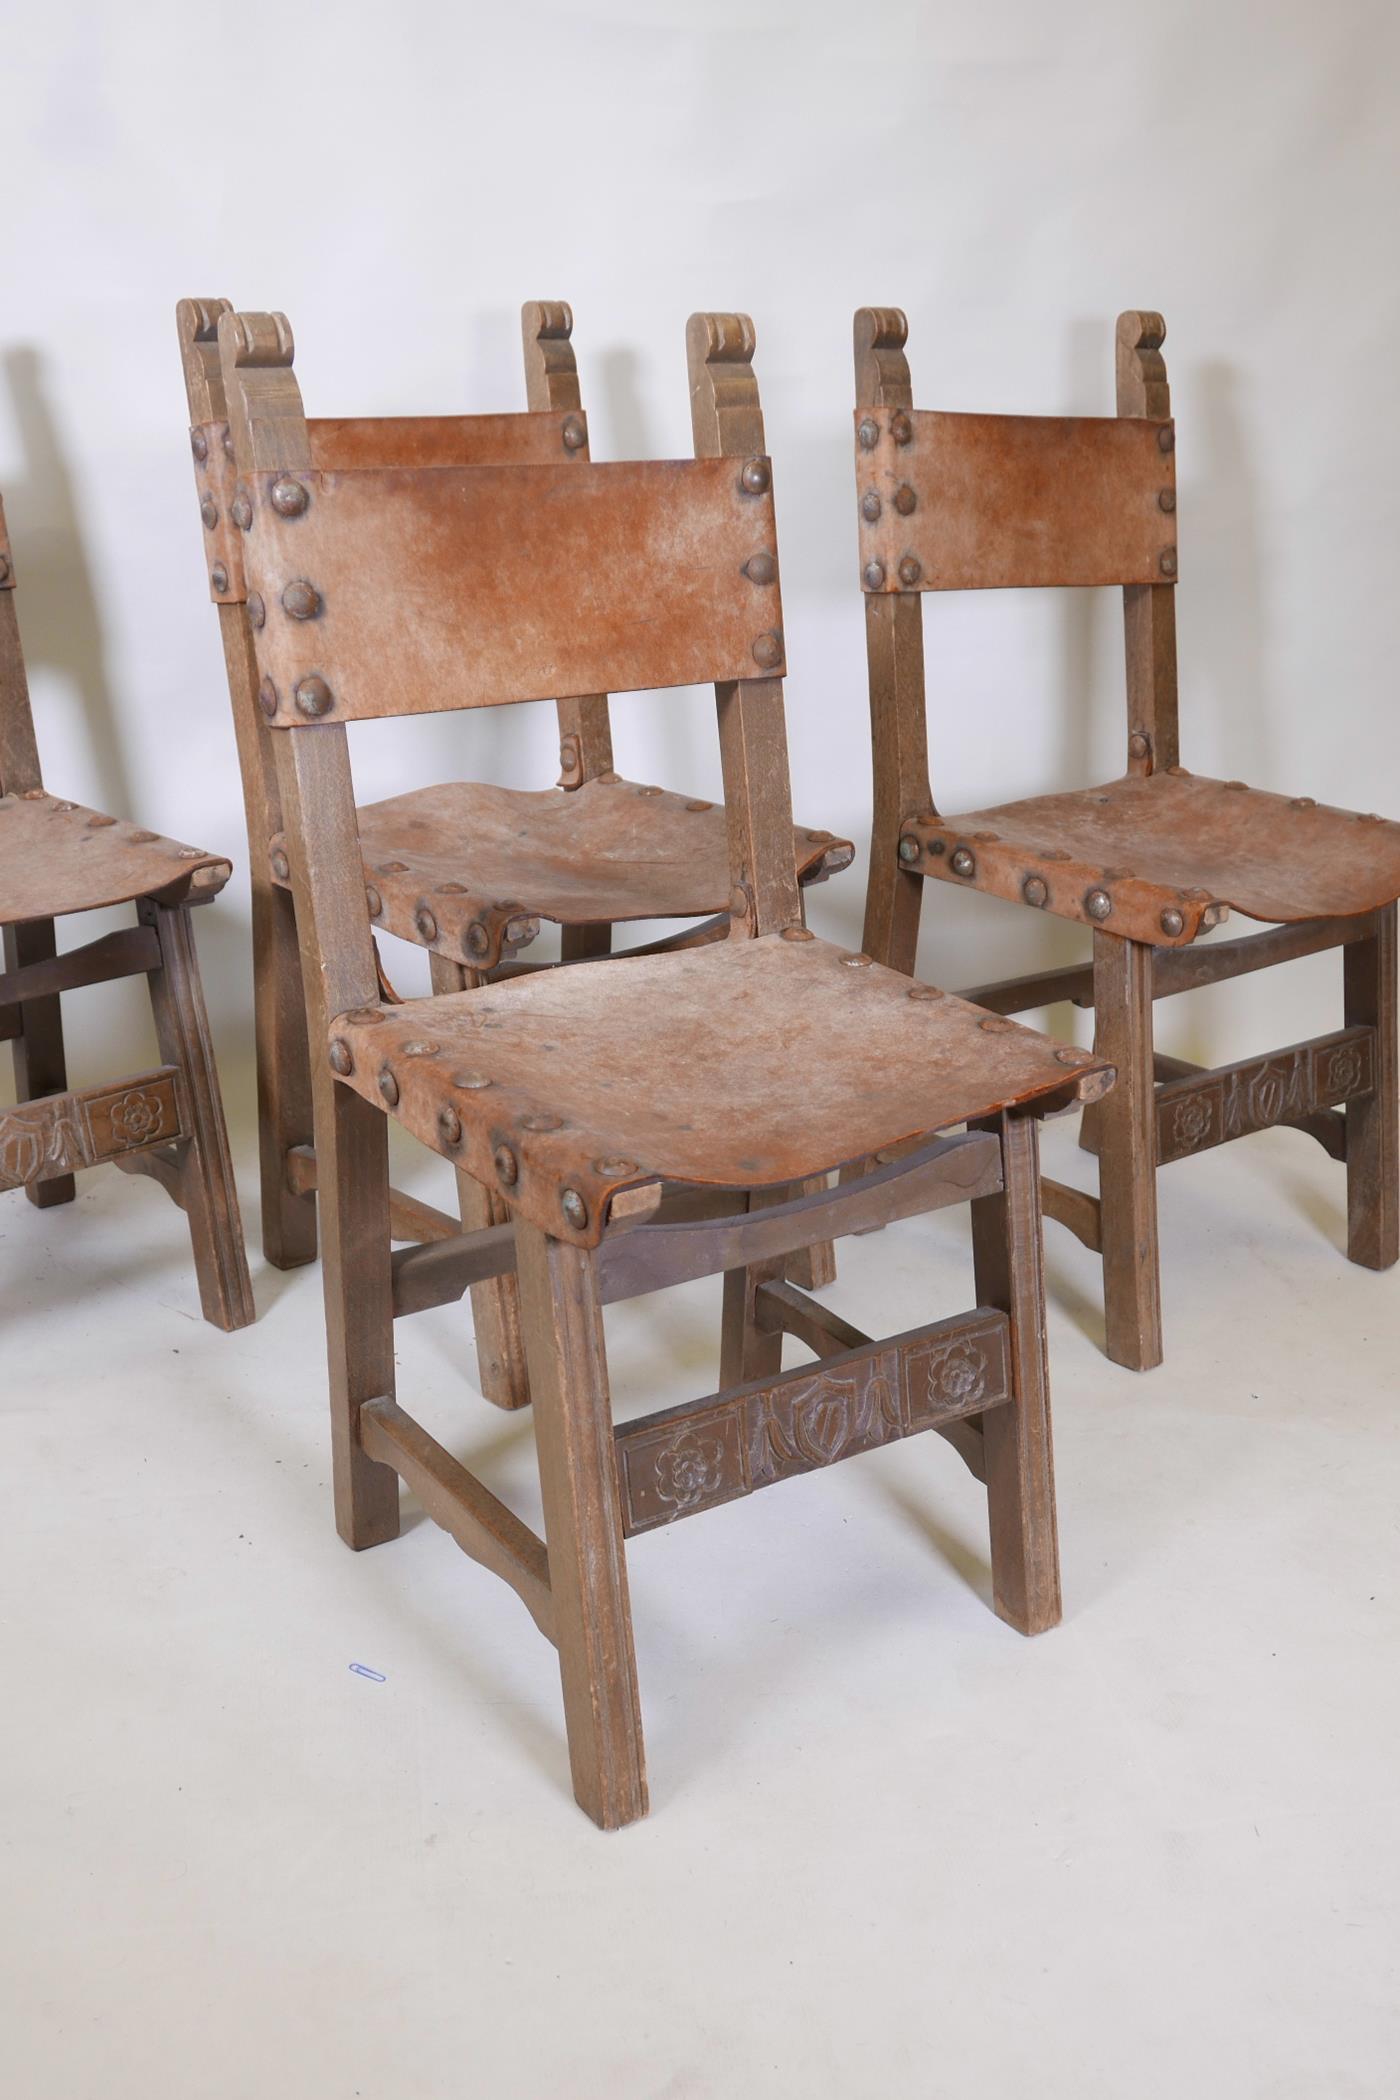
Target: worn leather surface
{"type": "Point", "coordinates": [445, 587]}
{"type": "Point", "coordinates": [992, 502]}
{"type": "Point", "coordinates": [1174, 840]}
{"type": "Point", "coordinates": [746, 1064]}
{"type": "Point", "coordinates": [58, 857]}
{"type": "Point", "coordinates": [475, 858]}
{"type": "Point", "coordinates": [524, 440]}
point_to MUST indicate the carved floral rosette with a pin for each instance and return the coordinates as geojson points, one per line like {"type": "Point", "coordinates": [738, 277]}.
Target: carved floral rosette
{"type": "Point", "coordinates": [695, 1457]}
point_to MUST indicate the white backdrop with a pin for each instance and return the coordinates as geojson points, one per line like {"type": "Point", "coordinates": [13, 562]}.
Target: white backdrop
{"type": "Point", "coordinates": [1012, 174]}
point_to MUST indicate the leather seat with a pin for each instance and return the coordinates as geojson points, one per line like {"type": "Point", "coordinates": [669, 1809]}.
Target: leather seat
{"type": "Point", "coordinates": [746, 1064]}
{"type": "Point", "coordinates": [464, 868]}
{"type": "Point", "coordinates": [1174, 842]}
{"type": "Point", "coordinates": [57, 857]}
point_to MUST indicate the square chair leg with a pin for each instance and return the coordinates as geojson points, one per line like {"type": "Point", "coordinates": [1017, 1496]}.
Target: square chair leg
{"type": "Point", "coordinates": [207, 1192]}
{"type": "Point", "coordinates": [583, 1525]}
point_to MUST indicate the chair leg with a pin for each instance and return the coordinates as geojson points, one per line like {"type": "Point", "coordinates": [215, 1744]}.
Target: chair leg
{"type": "Point", "coordinates": [207, 1193]}
{"type": "Point", "coordinates": [583, 1525]}
{"type": "Point", "coordinates": [352, 1189]}
{"type": "Point", "coordinates": [500, 1339]}
{"type": "Point", "coordinates": [746, 1350]}
{"type": "Point", "coordinates": [285, 1114]}
{"type": "Point", "coordinates": [1373, 1141]}
{"type": "Point", "coordinates": [39, 1062]}
{"type": "Point", "coordinates": [812, 1268]}
{"type": "Point", "coordinates": [1128, 1152]}
{"type": "Point", "coordinates": [1007, 1257]}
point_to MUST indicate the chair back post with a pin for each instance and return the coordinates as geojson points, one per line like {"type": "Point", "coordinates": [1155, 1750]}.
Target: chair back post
{"type": "Point", "coordinates": [19, 749]}
{"type": "Point", "coordinates": [727, 422]}
{"type": "Point", "coordinates": [197, 322]}
{"type": "Point", "coordinates": [894, 648]}
{"type": "Point", "coordinates": [268, 424]}
{"type": "Point", "coordinates": [551, 383]}
{"type": "Point", "coordinates": [1149, 610]}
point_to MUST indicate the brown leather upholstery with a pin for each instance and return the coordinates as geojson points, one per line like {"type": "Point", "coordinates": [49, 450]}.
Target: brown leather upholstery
{"type": "Point", "coordinates": [1172, 841]}
{"type": "Point", "coordinates": [680, 1067]}
{"type": "Point", "coordinates": [452, 867]}
{"type": "Point", "coordinates": [57, 857]}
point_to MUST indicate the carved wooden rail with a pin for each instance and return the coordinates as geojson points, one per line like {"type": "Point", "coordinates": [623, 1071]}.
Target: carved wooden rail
{"type": "Point", "coordinates": [706, 1452]}
{"type": "Point", "coordinates": [1197, 1113]}
{"type": "Point", "coordinates": [42, 1140]}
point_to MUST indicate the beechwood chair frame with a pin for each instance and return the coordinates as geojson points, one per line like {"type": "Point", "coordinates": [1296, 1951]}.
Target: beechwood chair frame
{"type": "Point", "coordinates": [573, 1255]}
{"type": "Point", "coordinates": [166, 1123]}
{"type": "Point", "coordinates": [286, 1151]}
{"type": "Point", "coordinates": [1161, 1108]}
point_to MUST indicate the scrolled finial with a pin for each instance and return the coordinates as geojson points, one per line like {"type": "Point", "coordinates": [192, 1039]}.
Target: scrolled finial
{"type": "Point", "coordinates": [198, 319]}
{"type": "Point", "coordinates": [548, 320]}
{"type": "Point", "coordinates": [1141, 367]}
{"type": "Point", "coordinates": [257, 340]}
{"type": "Point", "coordinates": [882, 369]}
{"type": "Point", "coordinates": [722, 339]}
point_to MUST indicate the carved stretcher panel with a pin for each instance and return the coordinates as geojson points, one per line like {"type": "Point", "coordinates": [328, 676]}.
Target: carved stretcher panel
{"type": "Point", "coordinates": [1174, 843]}
{"type": "Point", "coordinates": [458, 867]}
{"type": "Point", "coordinates": [521, 440]}
{"type": "Point", "coordinates": [1195, 1114]}
{"type": "Point", "coordinates": [560, 1089]}
{"type": "Point", "coordinates": [967, 503]}
{"type": "Point", "coordinates": [41, 1140]}
{"type": "Point", "coordinates": [57, 857]}
{"type": "Point", "coordinates": [706, 1452]}
{"type": "Point", "coordinates": [411, 591]}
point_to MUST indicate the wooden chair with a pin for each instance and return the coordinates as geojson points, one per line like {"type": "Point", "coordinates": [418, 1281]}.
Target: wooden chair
{"type": "Point", "coordinates": [466, 870]}
{"type": "Point", "coordinates": [58, 858]}
{"type": "Point", "coordinates": [753, 1063]}
{"type": "Point", "coordinates": [1147, 862]}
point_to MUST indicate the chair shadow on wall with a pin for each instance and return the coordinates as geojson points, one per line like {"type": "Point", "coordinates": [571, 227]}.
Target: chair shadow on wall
{"type": "Point", "coordinates": [58, 606]}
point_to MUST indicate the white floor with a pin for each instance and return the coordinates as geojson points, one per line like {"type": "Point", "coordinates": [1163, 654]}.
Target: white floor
{"type": "Point", "coordinates": [893, 1849]}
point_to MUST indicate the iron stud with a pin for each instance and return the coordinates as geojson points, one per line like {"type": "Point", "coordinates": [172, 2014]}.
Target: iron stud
{"type": "Point", "coordinates": [910, 570]}
{"type": "Point", "coordinates": [869, 433]}
{"type": "Point", "coordinates": [1035, 890]}
{"type": "Point", "coordinates": [963, 863]}
{"type": "Point", "coordinates": [905, 501]}
{"type": "Point", "coordinates": [873, 575]}
{"type": "Point", "coordinates": [257, 610]}
{"type": "Point", "coordinates": [761, 568]}
{"type": "Point", "coordinates": [389, 1087]}
{"type": "Point", "coordinates": [313, 696]}
{"type": "Point", "coordinates": [757, 477]}
{"type": "Point", "coordinates": [1098, 904]}
{"type": "Point", "coordinates": [241, 511]}
{"type": "Point", "coordinates": [767, 650]}
{"type": "Point", "coordinates": [289, 498]}
{"type": "Point", "coordinates": [574, 434]}
{"type": "Point", "coordinates": [908, 850]}
{"type": "Point", "coordinates": [199, 444]}
{"type": "Point", "coordinates": [574, 1208]}
{"type": "Point", "coordinates": [340, 1057]}
{"type": "Point", "coordinates": [901, 429]}
{"type": "Point", "coordinates": [1172, 922]}
{"type": "Point", "coordinates": [450, 1124]}
{"type": "Point", "coordinates": [507, 1166]}
{"type": "Point", "coordinates": [870, 506]}
{"type": "Point", "coordinates": [209, 511]}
